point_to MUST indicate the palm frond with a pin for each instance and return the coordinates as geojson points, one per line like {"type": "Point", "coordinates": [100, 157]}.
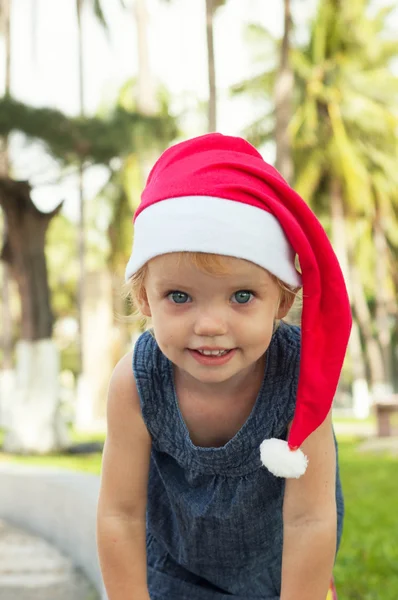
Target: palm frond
{"type": "Point", "coordinates": [261, 131]}
{"type": "Point", "coordinates": [257, 34]}
{"type": "Point", "coordinates": [260, 85]}
{"type": "Point", "coordinates": [377, 84]}
{"type": "Point", "coordinates": [371, 118]}
{"type": "Point", "coordinates": [99, 13]}
{"type": "Point", "coordinates": [382, 16]}
{"type": "Point", "coordinates": [355, 176]}
{"type": "Point", "coordinates": [309, 176]}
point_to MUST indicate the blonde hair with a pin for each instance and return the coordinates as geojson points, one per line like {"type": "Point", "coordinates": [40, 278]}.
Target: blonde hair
{"type": "Point", "coordinates": [212, 264]}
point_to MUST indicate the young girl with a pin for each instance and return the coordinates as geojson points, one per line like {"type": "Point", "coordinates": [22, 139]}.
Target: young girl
{"type": "Point", "coordinates": [220, 477]}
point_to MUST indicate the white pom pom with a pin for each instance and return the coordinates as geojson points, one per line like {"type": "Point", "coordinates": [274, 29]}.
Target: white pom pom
{"type": "Point", "coordinates": [281, 461]}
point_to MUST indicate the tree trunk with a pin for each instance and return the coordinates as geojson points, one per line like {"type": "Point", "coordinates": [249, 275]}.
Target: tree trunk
{"type": "Point", "coordinates": [6, 336]}
{"type": "Point", "coordinates": [81, 237]}
{"type": "Point", "coordinates": [372, 349]}
{"type": "Point", "coordinates": [283, 94]}
{"type": "Point", "coordinates": [23, 251]}
{"type": "Point", "coordinates": [339, 236]}
{"type": "Point", "coordinates": [30, 411]}
{"type": "Point", "coordinates": [146, 94]}
{"type": "Point", "coordinates": [212, 103]}
{"type": "Point", "coordinates": [360, 392]}
{"type": "Point", "coordinates": [98, 349]}
{"type": "Point", "coordinates": [383, 320]}
{"type": "Point", "coordinates": [146, 90]}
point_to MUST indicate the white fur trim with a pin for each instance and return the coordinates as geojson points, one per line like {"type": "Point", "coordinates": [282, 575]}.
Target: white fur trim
{"type": "Point", "coordinates": [214, 225]}
{"type": "Point", "coordinates": [281, 461]}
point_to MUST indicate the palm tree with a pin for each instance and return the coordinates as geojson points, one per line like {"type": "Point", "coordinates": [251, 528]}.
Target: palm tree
{"type": "Point", "coordinates": [385, 299]}
{"type": "Point", "coordinates": [146, 93]}
{"type": "Point", "coordinates": [81, 229]}
{"type": "Point", "coordinates": [212, 102]}
{"type": "Point", "coordinates": [96, 7]}
{"type": "Point", "coordinates": [33, 422]}
{"type": "Point", "coordinates": [283, 100]}
{"type": "Point", "coordinates": [345, 88]}
{"type": "Point", "coordinates": [211, 7]}
{"type": "Point", "coordinates": [343, 134]}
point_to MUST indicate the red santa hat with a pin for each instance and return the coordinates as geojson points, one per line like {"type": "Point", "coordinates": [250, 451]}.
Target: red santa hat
{"type": "Point", "coordinates": [216, 194]}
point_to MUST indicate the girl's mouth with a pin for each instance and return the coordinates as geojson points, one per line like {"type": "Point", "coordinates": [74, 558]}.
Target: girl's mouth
{"type": "Point", "coordinates": [213, 357]}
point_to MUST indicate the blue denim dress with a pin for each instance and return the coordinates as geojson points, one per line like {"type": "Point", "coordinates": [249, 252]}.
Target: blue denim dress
{"type": "Point", "coordinates": [214, 516]}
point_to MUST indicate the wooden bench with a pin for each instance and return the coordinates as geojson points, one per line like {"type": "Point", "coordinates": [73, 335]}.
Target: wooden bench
{"type": "Point", "coordinates": [384, 411]}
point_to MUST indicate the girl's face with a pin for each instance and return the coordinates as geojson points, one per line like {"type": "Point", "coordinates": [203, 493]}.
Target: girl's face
{"type": "Point", "coordinates": [213, 327]}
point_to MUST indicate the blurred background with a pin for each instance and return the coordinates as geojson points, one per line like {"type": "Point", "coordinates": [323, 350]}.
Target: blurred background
{"type": "Point", "coordinates": [92, 92]}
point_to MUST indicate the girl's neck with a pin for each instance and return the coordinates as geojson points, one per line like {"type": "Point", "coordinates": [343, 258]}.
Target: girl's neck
{"type": "Point", "coordinates": [246, 383]}
{"type": "Point", "coordinates": [213, 414]}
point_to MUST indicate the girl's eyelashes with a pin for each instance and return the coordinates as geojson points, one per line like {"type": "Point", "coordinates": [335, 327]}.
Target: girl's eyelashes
{"type": "Point", "coordinates": [178, 297]}
{"type": "Point", "coordinates": [242, 297]}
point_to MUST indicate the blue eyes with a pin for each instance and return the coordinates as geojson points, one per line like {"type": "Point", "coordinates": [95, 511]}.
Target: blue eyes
{"type": "Point", "coordinates": [240, 297]}
{"type": "Point", "coordinates": [179, 297]}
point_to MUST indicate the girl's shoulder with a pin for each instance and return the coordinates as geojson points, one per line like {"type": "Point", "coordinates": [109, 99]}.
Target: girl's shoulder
{"type": "Point", "coordinates": [282, 377]}
{"type": "Point", "coordinates": [148, 360]}
{"type": "Point", "coordinates": [287, 345]}
{"type": "Point", "coordinates": [154, 379]}
{"type": "Point", "coordinates": [290, 334]}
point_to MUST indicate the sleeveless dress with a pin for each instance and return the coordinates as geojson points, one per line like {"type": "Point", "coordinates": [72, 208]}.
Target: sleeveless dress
{"type": "Point", "coordinates": [214, 515]}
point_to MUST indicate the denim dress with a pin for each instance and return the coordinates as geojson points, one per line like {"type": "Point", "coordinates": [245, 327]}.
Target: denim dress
{"type": "Point", "coordinates": [214, 515]}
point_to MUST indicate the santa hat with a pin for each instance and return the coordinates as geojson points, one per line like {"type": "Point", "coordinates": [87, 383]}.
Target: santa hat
{"type": "Point", "coordinates": [216, 194]}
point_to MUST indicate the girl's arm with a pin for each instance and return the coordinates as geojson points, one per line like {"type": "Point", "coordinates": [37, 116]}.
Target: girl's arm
{"type": "Point", "coordinates": [310, 521]}
{"type": "Point", "coordinates": [121, 529]}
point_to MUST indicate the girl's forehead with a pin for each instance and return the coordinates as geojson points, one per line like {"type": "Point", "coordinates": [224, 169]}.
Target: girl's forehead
{"type": "Point", "coordinates": [179, 266]}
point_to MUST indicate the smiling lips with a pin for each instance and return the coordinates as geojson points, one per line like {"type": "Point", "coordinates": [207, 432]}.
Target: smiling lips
{"type": "Point", "coordinates": [215, 352]}
{"type": "Point", "coordinates": [212, 356]}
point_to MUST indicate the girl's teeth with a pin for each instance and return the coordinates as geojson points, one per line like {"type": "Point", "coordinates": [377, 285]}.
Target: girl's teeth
{"type": "Point", "coordinates": [213, 352]}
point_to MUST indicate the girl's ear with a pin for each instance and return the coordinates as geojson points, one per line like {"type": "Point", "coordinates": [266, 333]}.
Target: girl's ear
{"type": "Point", "coordinates": [285, 304]}
{"type": "Point", "coordinates": [143, 305]}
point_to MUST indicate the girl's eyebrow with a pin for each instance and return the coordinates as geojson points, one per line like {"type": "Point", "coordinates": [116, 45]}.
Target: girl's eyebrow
{"type": "Point", "coordinates": [169, 283]}
{"type": "Point", "coordinates": [247, 283]}
{"type": "Point", "coordinates": [237, 284]}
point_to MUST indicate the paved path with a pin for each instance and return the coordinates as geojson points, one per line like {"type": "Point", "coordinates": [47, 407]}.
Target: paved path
{"type": "Point", "coordinates": [32, 569]}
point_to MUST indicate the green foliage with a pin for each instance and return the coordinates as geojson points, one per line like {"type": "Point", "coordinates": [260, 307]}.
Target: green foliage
{"type": "Point", "coordinates": [99, 13]}
{"type": "Point", "coordinates": [63, 272]}
{"type": "Point", "coordinates": [218, 3]}
{"type": "Point", "coordinates": [121, 194]}
{"type": "Point", "coordinates": [344, 123]}
{"type": "Point", "coordinates": [346, 99]}
{"type": "Point", "coordinates": [96, 6]}
{"type": "Point", "coordinates": [95, 140]}
{"type": "Point", "coordinates": [345, 120]}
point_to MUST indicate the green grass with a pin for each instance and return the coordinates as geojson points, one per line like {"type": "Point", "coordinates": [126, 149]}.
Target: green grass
{"type": "Point", "coordinates": [88, 463]}
{"type": "Point", "coordinates": [371, 420]}
{"type": "Point", "coordinates": [367, 563]}
{"type": "Point", "coordinates": [353, 421]}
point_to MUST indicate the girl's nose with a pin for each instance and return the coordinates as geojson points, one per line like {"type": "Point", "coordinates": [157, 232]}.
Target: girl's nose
{"type": "Point", "coordinates": [210, 326]}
